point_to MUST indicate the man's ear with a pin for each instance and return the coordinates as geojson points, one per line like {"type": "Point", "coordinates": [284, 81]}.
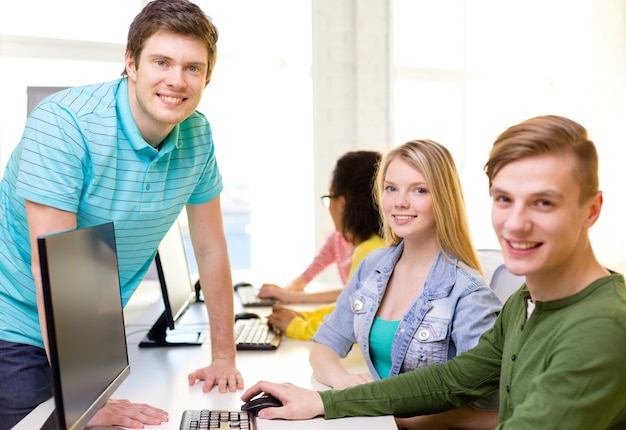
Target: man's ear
{"type": "Point", "coordinates": [131, 65]}
{"type": "Point", "coordinates": [206, 83]}
{"type": "Point", "coordinates": [594, 209]}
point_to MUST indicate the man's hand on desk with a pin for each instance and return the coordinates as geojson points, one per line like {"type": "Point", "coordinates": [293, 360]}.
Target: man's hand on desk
{"type": "Point", "coordinates": [298, 403]}
{"type": "Point", "coordinates": [220, 372]}
{"type": "Point", "coordinates": [126, 414]}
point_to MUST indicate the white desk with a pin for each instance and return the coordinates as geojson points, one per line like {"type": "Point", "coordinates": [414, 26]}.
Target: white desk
{"type": "Point", "coordinates": [159, 375]}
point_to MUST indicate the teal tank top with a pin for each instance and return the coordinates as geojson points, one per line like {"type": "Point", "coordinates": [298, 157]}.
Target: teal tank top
{"type": "Point", "coordinates": [381, 338]}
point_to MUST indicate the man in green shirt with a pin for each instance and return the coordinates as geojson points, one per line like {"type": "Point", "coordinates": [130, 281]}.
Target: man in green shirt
{"type": "Point", "coordinates": [557, 350]}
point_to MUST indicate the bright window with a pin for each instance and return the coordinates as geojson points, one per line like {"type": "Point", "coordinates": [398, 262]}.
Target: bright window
{"type": "Point", "coordinates": [467, 69]}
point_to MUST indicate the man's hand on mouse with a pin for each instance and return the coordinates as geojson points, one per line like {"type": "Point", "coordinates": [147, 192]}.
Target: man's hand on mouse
{"type": "Point", "coordinates": [298, 403]}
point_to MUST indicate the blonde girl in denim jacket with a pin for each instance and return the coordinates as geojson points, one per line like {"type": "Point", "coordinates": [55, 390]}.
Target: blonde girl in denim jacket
{"type": "Point", "coordinates": [423, 299]}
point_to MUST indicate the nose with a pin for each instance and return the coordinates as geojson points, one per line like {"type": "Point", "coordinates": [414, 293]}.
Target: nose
{"type": "Point", "coordinates": [516, 219]}
{"type": "Point", "coordinates": [175, 77]}
{"type": "Point", "coordinates": [401, 200]}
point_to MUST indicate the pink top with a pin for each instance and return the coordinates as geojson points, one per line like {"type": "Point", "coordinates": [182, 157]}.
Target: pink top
{"type": "Point", "coordinates": [336, 249]}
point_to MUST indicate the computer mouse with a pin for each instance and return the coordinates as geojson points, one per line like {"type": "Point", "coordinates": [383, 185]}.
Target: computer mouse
{"type": "Point", "coordinates": [254, 405]}
{"type": "Point", "coordinates": [242, 284]}
{"type": "Point", "coordinates": [246, 316]}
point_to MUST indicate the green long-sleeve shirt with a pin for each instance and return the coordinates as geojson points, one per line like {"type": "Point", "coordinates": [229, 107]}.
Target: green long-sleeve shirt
{"type": "Point", "coordinates": [563, 368]}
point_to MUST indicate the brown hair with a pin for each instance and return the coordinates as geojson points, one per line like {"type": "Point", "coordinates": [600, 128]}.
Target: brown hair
{"type": "Point", "coordinates": [548, 134]}
{"type": "Point", "coordinates": [176, 16]}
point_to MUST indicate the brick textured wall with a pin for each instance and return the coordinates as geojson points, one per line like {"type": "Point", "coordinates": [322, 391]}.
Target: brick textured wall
{"type": "Point", "coordinates": [351, 85]}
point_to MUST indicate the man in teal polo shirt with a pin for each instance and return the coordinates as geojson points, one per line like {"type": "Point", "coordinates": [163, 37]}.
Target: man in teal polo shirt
{"type": "Point", "coordinates": [556, 352]}
{"type": "Point", "coordinates": [134, 151]}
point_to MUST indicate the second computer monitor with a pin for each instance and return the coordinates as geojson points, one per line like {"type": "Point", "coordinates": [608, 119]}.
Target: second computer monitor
{"type": "Point", "coordinates": [178, 293]}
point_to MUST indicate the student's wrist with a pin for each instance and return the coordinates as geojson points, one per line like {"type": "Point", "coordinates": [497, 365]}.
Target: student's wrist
{"type": "Point", "coordinates": [323, 401]}
{"type": "Point", "coordinates": [297, 285]}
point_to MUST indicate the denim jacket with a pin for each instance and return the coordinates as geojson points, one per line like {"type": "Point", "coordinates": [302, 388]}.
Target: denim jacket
{"type": "Point", "coordinates": [453, 310]}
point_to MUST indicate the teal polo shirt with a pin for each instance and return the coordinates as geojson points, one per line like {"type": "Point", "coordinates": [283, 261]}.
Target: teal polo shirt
{"type": "Point", "coordinates": [81, 152]}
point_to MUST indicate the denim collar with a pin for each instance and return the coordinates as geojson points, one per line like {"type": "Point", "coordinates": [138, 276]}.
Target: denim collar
{"type": "Point", "coordinates": [441, 277]}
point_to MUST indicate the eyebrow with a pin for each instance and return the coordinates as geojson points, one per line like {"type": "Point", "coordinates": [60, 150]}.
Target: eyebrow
{"type": "Point", "coordinates": [546, 193]}
{"type": "Point", "coordinates": [413, 184]}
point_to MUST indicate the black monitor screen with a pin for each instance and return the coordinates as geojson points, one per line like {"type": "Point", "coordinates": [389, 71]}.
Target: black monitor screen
{"type": "Point", "coordinates": [178, 293]}
{"type": "Point", "coordinates": [85, 321]}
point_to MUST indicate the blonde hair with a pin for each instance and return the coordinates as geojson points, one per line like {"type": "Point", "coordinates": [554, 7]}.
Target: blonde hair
{"type": "Point", "coordinates": [436, 164]}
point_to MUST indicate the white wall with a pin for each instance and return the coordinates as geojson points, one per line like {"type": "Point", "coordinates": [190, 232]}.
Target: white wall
{"type": "Point", "coordinates": [40, 72]}
{"type": "Point", "coordinates": [44, 43]}
{"type": "Point", "coordinates": [260, 116]}
{"type": "Point", "coordinates": [258, 102]}
{"type": "Point", "coordinates": [469, 69]}
{"type": "Point", "coordinates": [606, 111]}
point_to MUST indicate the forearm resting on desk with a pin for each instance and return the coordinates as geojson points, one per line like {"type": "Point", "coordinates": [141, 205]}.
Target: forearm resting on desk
{"type": "Point", "coordinates": [328, 370]}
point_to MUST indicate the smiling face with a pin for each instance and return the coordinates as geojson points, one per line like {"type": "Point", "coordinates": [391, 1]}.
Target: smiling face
{"type": "Point", "coordinates": [166, 83]}
{"type": "Point", "coordinates": [407, 203]}
{"type": "Point", "coordinates": [538, 217]}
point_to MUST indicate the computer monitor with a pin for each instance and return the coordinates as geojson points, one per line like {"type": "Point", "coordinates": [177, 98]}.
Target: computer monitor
{"type": "Point", "coordinates": [178, 293]}
{"type": "Point", "coordinates": [84, 320]}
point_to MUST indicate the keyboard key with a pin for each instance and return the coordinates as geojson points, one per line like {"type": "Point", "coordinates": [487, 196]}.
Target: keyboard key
{"type": "Point", "coordinates": [255, 334]}
{"type": "Point", "coordinates": [200, 419]}
{"type": "Point", "coordinates": [248, 297]}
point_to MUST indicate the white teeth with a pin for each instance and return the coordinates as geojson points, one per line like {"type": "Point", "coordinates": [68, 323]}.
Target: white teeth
{"type": "Point", "coordinates": [172, 99]}
{"type": "Point", "coordinates": [522, 246]}
{"type": "Point", "coordinates": [403, 217]}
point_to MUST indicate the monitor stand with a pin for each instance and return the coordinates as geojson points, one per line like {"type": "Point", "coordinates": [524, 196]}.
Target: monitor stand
{"type": "Point", "coordinates": [160, 337]}
{"type": "Point", "coordinates": [198, 290]}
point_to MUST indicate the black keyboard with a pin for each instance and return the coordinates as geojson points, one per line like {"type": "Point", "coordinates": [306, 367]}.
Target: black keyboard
{"type": "Point", "coordinates": [247, 295]}
{"type": "Point", "coordinates": [255, 334]}
{"type": "Point", "coordinates": [214, 419]}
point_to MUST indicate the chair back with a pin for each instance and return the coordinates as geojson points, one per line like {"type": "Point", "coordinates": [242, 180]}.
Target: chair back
{"type": "Point", "coordinates": [504, 283]}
